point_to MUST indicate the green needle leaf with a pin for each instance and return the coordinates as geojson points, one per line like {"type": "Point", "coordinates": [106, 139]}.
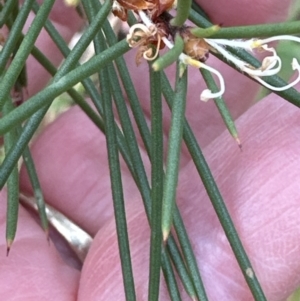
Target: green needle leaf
{"type": "Point", "coordinates": [220, 208]}
{"type": "Point", "coordinates": [189, 256]}
{"type": "Point", "coordinates": [157, 184]}
{"type": "Point", "coordinates": [46, 96]}
{"type": "Point", "coordinates": [256, 31]}
{"type": "Point", "coordinates": [37, 190]}
{"type": "Point", "coordinates": [183, 10]}
{"type": "Point", "coordinates": [181, 268]}
{"type": "Point", "coordinates": [6, 11]}
{"type": "Point", "coordinates": [118, 200]}
{"type": "Point", "coordinates": [24, 50]}
{"type": "Point", "coordinates": [221, 105]}
{"type": "Point", "coordinates": [15, 31]}
{"type": "Point", "coordinates": [173, 157]}
{"type": "Point", "coordinates": [223, 214]}
{"type": "Point", "coordinates": [205, 32]}
{"type": "Point", "coordinates": [171, 56]}
{"type": "Point", "coordinates": [12, 185]}
{"type": "Point", "coordinates": [170, 277]}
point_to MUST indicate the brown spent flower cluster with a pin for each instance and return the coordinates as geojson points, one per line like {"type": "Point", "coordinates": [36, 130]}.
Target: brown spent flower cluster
{"type": "Point", "coordinates": [154, 8]}
{"type": "Point", "coordinates": [149, 40]}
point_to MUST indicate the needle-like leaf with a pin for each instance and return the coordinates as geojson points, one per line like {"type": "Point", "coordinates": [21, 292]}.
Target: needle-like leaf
{"type": "Point", "coordinates": [173, 157]}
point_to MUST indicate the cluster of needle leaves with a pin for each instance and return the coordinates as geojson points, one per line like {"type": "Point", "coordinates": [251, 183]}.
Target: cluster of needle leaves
{"type": "Point", "coordinates": [20, 121]}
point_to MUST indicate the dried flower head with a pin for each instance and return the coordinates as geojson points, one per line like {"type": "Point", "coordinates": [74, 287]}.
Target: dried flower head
{"type": "Point", "coordinates": [147, 39]}
{"type": "Point", "coordinates": [154, 8]}
{"type": "Point", "coordinates": [153, 34]}
{"type": "Point", "coordinates": [196, 48]}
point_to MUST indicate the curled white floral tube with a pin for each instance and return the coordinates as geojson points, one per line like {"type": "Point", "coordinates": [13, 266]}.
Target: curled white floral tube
{"type": "Point", "coordinates": [206, 94]}
{"type": "Point", "coordinates": [295, 66]}
{"type": "Point", "coordinates": [138, 26]}
{"type": "Point", "coordinates": [268, 66]}
{"type": "Point", "coordinates": [247, 45]}
{"type": "Point", "coordinates": [271, 65]}
{"type": "Point", "coordinates": [260, 42]}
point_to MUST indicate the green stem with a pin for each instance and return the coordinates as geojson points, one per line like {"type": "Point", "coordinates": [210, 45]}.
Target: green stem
{"type": "Point", "coordinates": [205, 32]}
{"type": "Point", "coordinates": [77, 98]}
{"type": "Point", "coordinates": [197, 8]}
{"type": "Point", "coordinates": [13, 156]}
{"type": "Point", "coordinates": [88, 85]}
{"type": "Point", "coordinates": [64, 49]}
{"type": "Point", "coordinates": [139, 172]}
{"type": "Point", "coordinates": [140, 119]}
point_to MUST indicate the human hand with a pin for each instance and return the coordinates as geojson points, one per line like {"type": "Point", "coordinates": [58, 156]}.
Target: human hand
{"type": "Point", "coordinates": [259, 186]}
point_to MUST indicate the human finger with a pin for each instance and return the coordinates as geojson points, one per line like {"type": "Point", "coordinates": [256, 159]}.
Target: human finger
{"type": "Point", "coordinates": [33, 270]}
{"type": "Point", "coordinates": [235, 12]}
{"type": "Point", "coordinates": [260, 188]}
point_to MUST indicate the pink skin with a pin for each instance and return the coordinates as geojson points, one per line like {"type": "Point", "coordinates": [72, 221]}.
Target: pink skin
{"type": "Point", "coordinates": [259, 185]}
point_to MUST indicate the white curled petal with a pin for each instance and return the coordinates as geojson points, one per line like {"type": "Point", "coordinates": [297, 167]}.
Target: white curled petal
{"type": "Point", "coordinates": [236, 61]}
{"type": "Point", "coordinates": [138, 26]}
{"type": "Point", "coordinates": [295, 66]}
{"type": "Point", "coordinates": [271, 65]}
{"type": "Point", "coordinates": [207, 94]}
{"type": "Point", "coordinates": [267, 68]}
{"type": "Point", "coordinates": [244, 44]}
{"type": "Point", "coordinates": [279, 38]}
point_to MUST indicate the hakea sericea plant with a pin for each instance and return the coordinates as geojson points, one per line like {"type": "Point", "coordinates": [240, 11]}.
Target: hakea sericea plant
{"type": "Point", "coordinates": [157, 29]}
